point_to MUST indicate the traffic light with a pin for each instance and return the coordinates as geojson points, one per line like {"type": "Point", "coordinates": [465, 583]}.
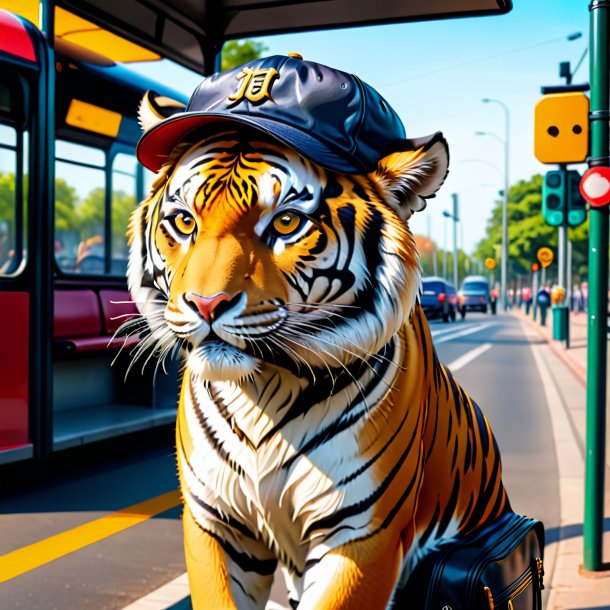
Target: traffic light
{"type": "Point", "coordinates": [577, 206]}
{"type": "Point", "coordinates": [553, 198]}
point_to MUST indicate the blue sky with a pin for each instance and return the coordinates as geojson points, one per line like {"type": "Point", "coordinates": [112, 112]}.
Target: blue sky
{"type": "Point", "coordinates": [435, 74]}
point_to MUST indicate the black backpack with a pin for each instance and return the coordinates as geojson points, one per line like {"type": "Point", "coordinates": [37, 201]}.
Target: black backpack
{"type": "Point", "coordinates": [497, 567]}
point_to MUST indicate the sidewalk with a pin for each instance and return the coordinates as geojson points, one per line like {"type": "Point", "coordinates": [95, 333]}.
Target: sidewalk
{"type": "Point", "coordinates": [570, 589]}
{"type": "Point", "coordinates": [575, 358]}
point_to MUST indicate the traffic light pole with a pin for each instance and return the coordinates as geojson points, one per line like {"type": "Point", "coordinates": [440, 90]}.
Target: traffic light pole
{"type": "Point", "coordinates": [454, 196]}
{"type": "Point", "coordinates": [598, 295]}
{"type": "Point", "coordinates": [562, 253]}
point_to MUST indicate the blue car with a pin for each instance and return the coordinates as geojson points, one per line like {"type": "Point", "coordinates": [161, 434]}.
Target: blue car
{"type": "Point", "coordinates": [438, 298]}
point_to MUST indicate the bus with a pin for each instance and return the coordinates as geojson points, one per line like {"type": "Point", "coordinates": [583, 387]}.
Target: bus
{"type": "Point", "coordinates": [69, 181]}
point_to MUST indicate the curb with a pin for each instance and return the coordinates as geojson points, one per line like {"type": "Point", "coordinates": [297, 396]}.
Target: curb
{"type": "Point", "coordinates": [579, 372]}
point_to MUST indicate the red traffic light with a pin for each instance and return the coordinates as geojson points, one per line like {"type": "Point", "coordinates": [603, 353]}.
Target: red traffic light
{"type": "Point", "coordinates": [535, 266]}
{"type": "Point", "coordinates": [595, 186]}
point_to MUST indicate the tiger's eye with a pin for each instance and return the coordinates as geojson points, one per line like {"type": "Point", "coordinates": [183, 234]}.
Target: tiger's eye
{"type": "Point", "coordinates": [287, 223]}
{"type": "Point", "coordinates": [184, 223]}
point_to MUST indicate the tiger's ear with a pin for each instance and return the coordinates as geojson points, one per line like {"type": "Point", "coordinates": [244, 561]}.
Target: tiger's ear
{"type": "Point", "coordinates": [154, 108]}
{"type": "Point", "coordinates": [413, 173]}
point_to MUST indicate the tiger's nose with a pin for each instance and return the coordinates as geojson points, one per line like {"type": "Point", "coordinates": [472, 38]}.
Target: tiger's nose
{"type": "Point", "coordinates": [205, 305]}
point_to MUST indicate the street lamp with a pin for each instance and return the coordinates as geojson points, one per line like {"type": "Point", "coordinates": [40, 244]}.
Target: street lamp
{"type": "Point", "coordinates": [455, 219]}
{"type": "Point", "coordinates": [504, 267]}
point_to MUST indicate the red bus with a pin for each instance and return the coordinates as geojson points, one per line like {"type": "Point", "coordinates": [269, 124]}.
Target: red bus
{"type": "Point", "coordinates": [69, 179]}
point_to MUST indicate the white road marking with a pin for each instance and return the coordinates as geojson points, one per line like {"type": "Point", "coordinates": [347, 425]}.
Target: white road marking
{"type": "Point", "coordinates": [442, 331]}
{"type": "Point", "coordinates": [461, 333]}
{"type": "Point", "coordinates": [173, 592]}
{"type": "Point", "coordinates": [163, 597]}
{"type": "Point", "coordinates": [468, 357]}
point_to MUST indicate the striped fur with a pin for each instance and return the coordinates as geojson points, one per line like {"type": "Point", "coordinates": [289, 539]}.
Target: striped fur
{"type": "Point", "coordinates": [316, 428]}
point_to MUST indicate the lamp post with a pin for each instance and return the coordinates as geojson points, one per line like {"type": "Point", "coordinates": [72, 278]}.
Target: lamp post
{"type": "Point", "coordinates": [455, 219]}
{"type": "Point", "coordinates": [504, 266]}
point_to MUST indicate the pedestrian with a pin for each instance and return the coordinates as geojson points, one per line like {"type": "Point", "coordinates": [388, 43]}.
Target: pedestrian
{"type": "Point", "coordinates": [585, 295]}
{"type": "Point", "coordinates": [526, 294]}
{"type": "Point", "coordinates": [543, 300]}
{"type": "Point", "coordinates": [577, 304]}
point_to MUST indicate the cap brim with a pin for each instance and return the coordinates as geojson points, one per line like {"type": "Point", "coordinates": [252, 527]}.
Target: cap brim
{"type": "Point", "coordinates": [157, 143]}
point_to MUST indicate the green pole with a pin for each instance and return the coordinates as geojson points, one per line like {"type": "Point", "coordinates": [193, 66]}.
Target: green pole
{"type": "Point", "coordinates": [598, 296]}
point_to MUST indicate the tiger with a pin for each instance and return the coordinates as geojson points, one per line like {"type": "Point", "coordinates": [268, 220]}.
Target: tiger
{"type": "Point", "coordinates": [317, 432]}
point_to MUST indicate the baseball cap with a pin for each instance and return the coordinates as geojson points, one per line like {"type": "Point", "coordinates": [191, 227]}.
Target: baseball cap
{"type": "Point", "coordinates": [330, 117]}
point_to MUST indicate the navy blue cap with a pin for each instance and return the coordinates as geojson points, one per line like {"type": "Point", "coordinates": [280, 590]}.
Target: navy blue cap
{"type": "Point", "coordinates": [328, 116]}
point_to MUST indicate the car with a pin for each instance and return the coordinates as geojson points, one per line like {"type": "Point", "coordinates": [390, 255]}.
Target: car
{"type": "Point", "coordinates": [438, 298]}
{"type": "Point", "coordinates": [474, 294]}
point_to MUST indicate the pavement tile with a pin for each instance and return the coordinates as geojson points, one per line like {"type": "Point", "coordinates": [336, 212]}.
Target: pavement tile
{"type": "Point", "coordinates": [570, 589]}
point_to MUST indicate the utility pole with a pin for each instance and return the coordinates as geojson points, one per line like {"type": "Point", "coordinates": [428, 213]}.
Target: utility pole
{"type": "Point", "coordinates": [597, 313]}
{"type": "Point", "coordinates": [434, 261]}
{"type": "Point", "coordinates": [445, 246]}
{"type": "Point", "coordinates": [455, 219]}
{"type": "Point", "coordinates": [562, 234]}
{"type": "Point", "coordinates": [454, 196]}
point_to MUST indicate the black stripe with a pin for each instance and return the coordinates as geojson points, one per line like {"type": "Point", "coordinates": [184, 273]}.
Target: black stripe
{"type": "Point", "coordinates": [248, 563]}
{"type": "Point", "coordinates": [226, 519]}
{"type": "Point", "coordinates": [368, 464]}
{"type": "Point", "coordinates": [428, 531]}
{"type": "Point", "coordinates": [210, 436]}
{"type": "Point", "coordinates": [243, 589]}
{"type": "Point", "coordinates": [449, 511]}
{"type": "Point", "coordinates": [346, 418]}
{"type": "Point", "coordinates": [324, 385]}
{"type": "Point", "coordinates": [362, 505]}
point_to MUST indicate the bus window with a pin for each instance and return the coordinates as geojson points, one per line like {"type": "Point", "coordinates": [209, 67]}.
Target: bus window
{"type": "Point", "coordinates": [13, 185]}
{"type": "Point", "coordinates": [80, 195]}
{"type": "Point", "coordinates": [123, 202]}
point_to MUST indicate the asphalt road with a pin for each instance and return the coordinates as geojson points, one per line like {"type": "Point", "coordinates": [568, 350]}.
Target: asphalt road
{"type": "Point", "coordinates": [491, 359]}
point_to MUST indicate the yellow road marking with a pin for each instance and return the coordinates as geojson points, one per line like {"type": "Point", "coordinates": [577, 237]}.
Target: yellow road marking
{"type": "Point", "coordinates": [37, 554]}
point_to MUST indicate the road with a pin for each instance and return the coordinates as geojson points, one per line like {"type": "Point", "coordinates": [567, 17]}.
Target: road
{"type": "Point", "coordinates": [72, 499]}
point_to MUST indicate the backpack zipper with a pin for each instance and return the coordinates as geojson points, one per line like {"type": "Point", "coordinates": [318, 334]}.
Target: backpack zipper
{"type": "Point", "coordinates": [522, 583]}
{"type": "Point", "coordinates": [518, 586]}
{"type": "Point", "coordinates": [479, 564]}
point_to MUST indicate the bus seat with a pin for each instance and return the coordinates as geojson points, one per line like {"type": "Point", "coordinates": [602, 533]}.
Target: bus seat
{"type": "Point", "coordinates": [77, 323]}
{"type": "Point", "coordinates": [77, 314]}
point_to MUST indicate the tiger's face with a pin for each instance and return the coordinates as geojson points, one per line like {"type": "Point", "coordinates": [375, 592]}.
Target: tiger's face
{"type": "Point", "coordinates": [246, 253]}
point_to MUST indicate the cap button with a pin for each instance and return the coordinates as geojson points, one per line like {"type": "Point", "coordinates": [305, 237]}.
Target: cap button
{"type": "Point", "coordinates": [295, 55]}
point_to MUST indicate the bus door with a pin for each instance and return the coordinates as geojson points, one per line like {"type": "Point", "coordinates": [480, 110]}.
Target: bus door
{"type": "Point", "coordinates": [22, 172]}
{"type": "Point", "coordinates": [98, 183]}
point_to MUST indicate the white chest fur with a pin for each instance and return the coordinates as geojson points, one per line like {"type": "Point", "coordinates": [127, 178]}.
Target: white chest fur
{"type": "Point", "coordinates": [280, 475]}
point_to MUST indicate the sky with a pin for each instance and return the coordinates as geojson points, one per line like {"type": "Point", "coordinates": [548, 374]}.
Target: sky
{"type": "Point", "coordinates": [435, 75]}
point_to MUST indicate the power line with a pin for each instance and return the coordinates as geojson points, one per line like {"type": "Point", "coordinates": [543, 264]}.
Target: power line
{"type": "Point", "coordinates": [476, 60]}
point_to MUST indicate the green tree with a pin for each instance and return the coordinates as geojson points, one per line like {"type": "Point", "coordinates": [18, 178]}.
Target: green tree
{"type": "Point", "coordinates": [66, 199]}
{"type": "Point", "coordinates": [238, 52]}
{"type": "Point", "coordinates": [91, 217]}
{"type": "Point", "coordinates": [7, 215]}
{"type": "Point", "coordinates": [123, 205]}
{"type": "Point", "coordinates": [527, 231]}
{"type": "Point", "coordinates": [91, 213]}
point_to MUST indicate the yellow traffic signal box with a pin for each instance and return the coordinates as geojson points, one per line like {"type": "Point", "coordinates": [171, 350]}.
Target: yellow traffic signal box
{"type": "Point", "coordinates": [561, 128]}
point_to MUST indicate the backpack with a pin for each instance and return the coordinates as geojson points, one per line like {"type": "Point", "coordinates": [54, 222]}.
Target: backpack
{"type": "Point", "coordinates": [497, 567]}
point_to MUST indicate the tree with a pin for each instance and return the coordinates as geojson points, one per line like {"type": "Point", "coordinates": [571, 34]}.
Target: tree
{"type": "Point", "coordinates": [66, 198]}
{"type": "Point", "coordinates": [427, 249]}
{"type": "Point", "coordinates": [238, 52]}
{"type": "Point", "coordinates": [528, 232]}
